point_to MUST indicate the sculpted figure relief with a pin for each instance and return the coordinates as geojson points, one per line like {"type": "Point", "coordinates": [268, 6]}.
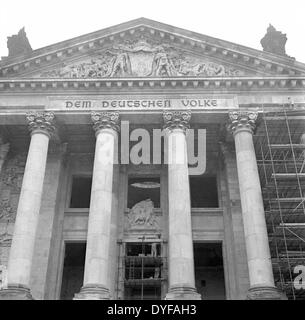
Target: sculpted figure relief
{"type": "Point", "coordinates": [121, 65]}
{"type": "Point", "coordinates": [6, 211]}
{"type": "Point", "coordinates": [12, 173]}
{"type": "Point", "coordinates": [142, 214]}
{"type": "Point", "coordinates": [5, 238]}
{"type": "Point", "coordinates": [163, 65]}
{"type": "Point", "coordinates": [141, 59]}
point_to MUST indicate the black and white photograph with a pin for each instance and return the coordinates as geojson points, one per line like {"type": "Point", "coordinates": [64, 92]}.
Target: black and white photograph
{"type": "Point", "coordinates": [152, 150]}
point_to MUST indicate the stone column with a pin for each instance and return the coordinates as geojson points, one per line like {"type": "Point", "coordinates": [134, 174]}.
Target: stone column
{"type": "Point", "coordinates": [242, 125]}
{"type": "Point", "coordinates": [96, 278]}
{"type": "Point", "coordinates": [21, 252]}
{"type": "Point", "coordinates": [180, 258]}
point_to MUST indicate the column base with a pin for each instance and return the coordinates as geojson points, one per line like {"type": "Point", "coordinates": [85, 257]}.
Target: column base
{"type": "Point", "coordinates": [16, 292]}
{"type": "Point", "coordinates": [182, 293]}
{"type": "Point", "coordinates": [265, 293]}
{"type": "Point", "coordinates": [93, 292]}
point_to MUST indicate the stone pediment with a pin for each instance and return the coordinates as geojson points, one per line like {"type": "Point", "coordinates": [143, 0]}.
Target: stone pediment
{"type": "Point", "coordinates": [142, 58]}
{"type": "Point", "coordinates": [145, 48]}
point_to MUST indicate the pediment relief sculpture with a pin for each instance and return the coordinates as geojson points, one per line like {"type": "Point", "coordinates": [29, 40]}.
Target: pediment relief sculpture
{"type": "Point", "coordinates": [142, 215]}
{"type": "Point", "coordinates": [141, 59]}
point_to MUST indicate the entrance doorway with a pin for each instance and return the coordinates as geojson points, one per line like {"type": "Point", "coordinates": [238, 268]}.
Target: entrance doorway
{"type": "Point", "coordinates": [209, 272]}
{"type": "Point", "coordinates": [73, 272]}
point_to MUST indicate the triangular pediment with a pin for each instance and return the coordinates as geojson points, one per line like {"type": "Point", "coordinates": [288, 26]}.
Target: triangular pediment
{"type": "Point", "coordinates": [143, 58]}
{"type": "Point", "coordinates": [145, 48]}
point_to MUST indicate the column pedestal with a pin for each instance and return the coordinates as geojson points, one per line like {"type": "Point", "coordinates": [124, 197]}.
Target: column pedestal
{"type": "Point", "coordinates": [182, 293]}
{"type": "Point", "coordinates": [16, 292]}
{"type": "Point", "coordinates": [265, 293]}
{"type": "Point", "coordinates": [93, 292]}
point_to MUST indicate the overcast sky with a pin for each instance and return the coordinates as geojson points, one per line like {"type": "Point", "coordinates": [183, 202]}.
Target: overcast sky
{"type": "Point", "coordinates": [240, 21]}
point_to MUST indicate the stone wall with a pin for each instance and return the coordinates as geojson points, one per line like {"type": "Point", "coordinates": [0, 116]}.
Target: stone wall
{"type": "Point", "coordinates": [10, 186]}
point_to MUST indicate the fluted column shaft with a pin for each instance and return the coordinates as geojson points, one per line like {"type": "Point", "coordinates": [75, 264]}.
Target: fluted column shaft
{"type": "Point", "coordinates": [257, 245]}
{"type": "Point", "coordinates": [181, 258]}
{"type": "Point", "coordinates": [96, 278]}
{"type": "Point", "coordinates": [21, 252]}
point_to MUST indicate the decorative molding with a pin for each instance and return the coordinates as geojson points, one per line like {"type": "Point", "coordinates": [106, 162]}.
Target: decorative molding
{"type": "Point", "coordinates": [41, 121]}
{"type": "Point", "coordinates": [242, 120]}
{"type": "Point", "coordinates": [105, 120]}
{"type": "Point", "coordinates": [176, 119]}
{"type": "Point", "coordinates": [229, 84]}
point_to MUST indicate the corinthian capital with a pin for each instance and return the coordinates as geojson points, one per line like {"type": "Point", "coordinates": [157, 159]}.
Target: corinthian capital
{"type": "Point", "coordinates": [41, 121]}
{"type": "Point", "coordinates": [242, 120]}
{"type": "Point", "coordinates": [105, 120]}
{"type": "Point", "coordinates": [176, 119]}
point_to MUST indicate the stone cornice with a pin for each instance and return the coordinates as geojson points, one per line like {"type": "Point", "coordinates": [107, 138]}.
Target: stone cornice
{"type": "Point", "coordinates": [215, 83]}
{"type": "Point", "coordinates": [263, 62]}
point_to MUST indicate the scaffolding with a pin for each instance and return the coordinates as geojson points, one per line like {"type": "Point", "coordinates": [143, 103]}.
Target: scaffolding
{"type": "Point", "coordinates": [143, 271]}
{"type": "Point", "coordinates": [280, 150]}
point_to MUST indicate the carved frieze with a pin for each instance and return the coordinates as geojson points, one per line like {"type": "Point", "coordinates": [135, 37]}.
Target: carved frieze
{"type": "Point", "coordinates": [141, 59]}
{"type": "Point", "coordinates": [7, 212]}
{"type": "Point", "coordinates": [5, 239]}
{"type": "Point", "coordinates": [142, 216]}
{"type": "Point", "coordinates": [12, 174]}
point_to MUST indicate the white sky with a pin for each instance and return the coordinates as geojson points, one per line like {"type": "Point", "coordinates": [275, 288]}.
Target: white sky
{"type": "Point", "coordinates": [243, 22]}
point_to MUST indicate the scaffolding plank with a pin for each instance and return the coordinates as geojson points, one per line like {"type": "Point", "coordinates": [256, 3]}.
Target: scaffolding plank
{"type": "Point", "coordinates": [287, 199]}
{"type": "Point", "coordinates": [292, 225]}
{"type": "Point", "coordinates": [288, 175]}
{"type": "Point", "coordinates": [287, 146]}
